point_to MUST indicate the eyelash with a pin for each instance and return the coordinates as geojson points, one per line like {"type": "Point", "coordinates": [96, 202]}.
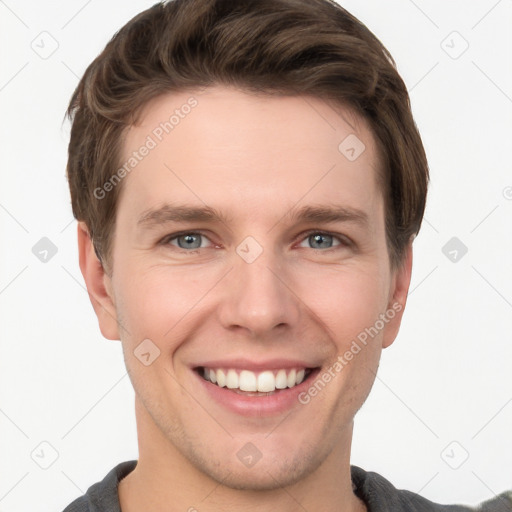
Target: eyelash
{"type": "Point", "coordinates": [343, 240]}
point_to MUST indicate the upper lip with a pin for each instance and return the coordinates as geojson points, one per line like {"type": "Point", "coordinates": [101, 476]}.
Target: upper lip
{"type": "Point", "coordinates": [255, 366]}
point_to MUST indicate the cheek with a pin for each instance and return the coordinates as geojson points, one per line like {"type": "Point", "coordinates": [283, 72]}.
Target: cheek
{"type": "Point", "coordinates": [346, 301]}
{"type": "Point", "coordinates": [156, 302]}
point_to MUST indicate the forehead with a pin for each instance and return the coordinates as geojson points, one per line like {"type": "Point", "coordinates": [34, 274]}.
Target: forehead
{"type": "Point", "coordinates": [231, 149]}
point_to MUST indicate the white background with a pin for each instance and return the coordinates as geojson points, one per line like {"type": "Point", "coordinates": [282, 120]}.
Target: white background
{"type": "Point", "coordinates": [446, 379]}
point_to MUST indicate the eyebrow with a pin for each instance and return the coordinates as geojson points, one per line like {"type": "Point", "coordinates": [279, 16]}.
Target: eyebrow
{"type": "Point", "coordinates": [180, 213]}
{"type": "Point", "coordinates": [323, 213]}
{"type": "Point", "coordinates": [308, 214]}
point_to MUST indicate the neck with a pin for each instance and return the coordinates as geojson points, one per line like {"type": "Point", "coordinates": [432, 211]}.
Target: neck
{"type": "Point", "coordinates": [164, 480]}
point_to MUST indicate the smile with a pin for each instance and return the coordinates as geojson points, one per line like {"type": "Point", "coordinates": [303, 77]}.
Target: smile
{"type": "Point", "coordinates": [247, 381]}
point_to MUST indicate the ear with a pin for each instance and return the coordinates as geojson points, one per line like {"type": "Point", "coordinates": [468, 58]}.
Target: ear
{"type": "Point", "coordinates": [99, 285]}
{"type": "Point", "coordinates": [401, 279]}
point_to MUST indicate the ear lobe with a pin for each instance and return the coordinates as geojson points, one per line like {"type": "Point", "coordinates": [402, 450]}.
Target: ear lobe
{"type": "Point", "coordinates": [398, 297]}
{"type": "Point", "coordinates": [98, 285]}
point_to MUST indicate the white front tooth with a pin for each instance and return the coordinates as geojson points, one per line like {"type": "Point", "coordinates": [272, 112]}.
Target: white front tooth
{"type": "Point", "coordinates": [266, 381]}
{"type": "Point", "coordinates": [212, 376]}
{"type": "Point", "coordinates": [300, 376]}
{"type": "Point", "coordinates": [281, 380]}
{"type": "Point", "coordinates": [232, 379]}
{"type": "Point", "coordinates": [291, 378]}
{"type": "Point", "coordinates": [247, 381]}
{"type": "Point", "coordinates": [221, 378]}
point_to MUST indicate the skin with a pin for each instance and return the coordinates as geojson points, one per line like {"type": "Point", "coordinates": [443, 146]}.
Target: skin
{"type": "Point", "coordinates": [256, 159]}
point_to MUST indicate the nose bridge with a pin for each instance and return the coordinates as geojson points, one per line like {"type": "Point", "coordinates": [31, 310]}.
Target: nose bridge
{"type": "Point", "coordinates": [257, 298]}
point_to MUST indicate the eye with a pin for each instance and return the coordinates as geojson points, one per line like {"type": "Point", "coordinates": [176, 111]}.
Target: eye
{"type": "Point", "coordinates": [188, 240]}
{"type": "Point", "coordinates": [322, 240]}
{"type": "Point", "coordinates": [192, 241]}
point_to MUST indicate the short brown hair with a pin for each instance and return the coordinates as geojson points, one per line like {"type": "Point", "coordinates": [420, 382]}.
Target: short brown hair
{"type": "Point", "coordinates": [288, 47]}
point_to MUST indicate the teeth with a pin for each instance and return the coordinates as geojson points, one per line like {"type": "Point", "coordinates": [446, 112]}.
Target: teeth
{"type": "Point", "coordinates": [247, 381]}
{"type": "Point", "coordinates": [232, 379]}
{"type": "Point", "coordinates": [281, 380]}
{"type": "Point", "coordinates": [292, 376]}
{"type": "Point", "coordinates": [221, 378]}
{"type": "Point", "coordinates": [266, 381]}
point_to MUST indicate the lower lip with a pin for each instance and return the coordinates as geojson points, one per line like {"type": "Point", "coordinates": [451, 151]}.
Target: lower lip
{"type": "Point", "coordinates": [252, 406]}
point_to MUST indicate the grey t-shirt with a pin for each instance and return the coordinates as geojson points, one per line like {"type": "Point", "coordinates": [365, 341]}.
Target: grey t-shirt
{"type": "Point", "coordinates": [376, 492]}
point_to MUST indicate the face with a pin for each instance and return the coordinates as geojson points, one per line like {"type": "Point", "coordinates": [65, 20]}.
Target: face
{"type": "Point", "coordinates": [251, 285]}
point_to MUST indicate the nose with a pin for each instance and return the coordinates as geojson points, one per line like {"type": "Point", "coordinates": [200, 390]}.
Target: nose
{"type": "Point", "coordinates": [258, 297]}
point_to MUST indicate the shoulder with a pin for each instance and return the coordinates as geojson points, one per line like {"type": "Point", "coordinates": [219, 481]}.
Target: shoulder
{"type": "Point", "coordinates": [381, 496]}
{"type": "Point", "coordinates": [103, 496]}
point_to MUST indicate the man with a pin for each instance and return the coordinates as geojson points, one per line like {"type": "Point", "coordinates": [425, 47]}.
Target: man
{"type": "Point", "coordinates": [248, 180]}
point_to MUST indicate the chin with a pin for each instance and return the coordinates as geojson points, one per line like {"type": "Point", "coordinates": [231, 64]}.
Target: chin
{"type": "Point", "coordinates": [271, 472]}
